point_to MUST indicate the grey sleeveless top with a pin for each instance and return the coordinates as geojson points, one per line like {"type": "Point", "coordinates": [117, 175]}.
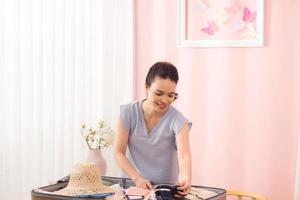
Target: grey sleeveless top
{"type": "Point", "coordinates": [153, 155]}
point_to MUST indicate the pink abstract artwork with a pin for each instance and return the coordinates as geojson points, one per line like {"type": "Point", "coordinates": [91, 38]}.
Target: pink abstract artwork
{"type": "Point", "coordinates": [223, 20]}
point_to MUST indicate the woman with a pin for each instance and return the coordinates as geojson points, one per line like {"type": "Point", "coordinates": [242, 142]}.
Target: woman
{"type": "Point", "coordinates": [156, 134]}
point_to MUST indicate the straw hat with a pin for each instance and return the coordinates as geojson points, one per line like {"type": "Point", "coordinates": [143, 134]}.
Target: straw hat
{"type": "Point", "coordinates": [85, 179]}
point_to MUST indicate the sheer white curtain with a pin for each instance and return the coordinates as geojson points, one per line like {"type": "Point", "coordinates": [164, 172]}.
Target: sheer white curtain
{"type": "Point", "coordinates": [62, 63]}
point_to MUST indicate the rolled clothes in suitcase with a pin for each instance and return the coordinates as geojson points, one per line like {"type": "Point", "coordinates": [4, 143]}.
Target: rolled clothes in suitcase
{"type": "Point", "coordinates": [46, 192]}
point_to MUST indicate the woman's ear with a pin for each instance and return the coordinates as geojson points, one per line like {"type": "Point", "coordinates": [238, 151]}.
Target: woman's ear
{"type": "Point", "coordinates": [175, 96]}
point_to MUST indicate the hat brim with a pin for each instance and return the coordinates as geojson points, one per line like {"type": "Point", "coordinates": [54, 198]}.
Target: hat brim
{"type": "Point", "coordinates": [70, 191]}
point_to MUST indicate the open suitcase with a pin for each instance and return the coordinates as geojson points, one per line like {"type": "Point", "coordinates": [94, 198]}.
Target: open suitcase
{"type": "Point", "coordinates": [125, 183]}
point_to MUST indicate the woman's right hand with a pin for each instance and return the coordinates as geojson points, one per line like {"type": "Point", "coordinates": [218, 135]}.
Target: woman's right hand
{"type": "Point", "coordinates": [141, 182]}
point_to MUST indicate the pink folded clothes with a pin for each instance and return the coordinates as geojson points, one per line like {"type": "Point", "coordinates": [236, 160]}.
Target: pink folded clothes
{"type": "Point", "coordinates": [136, 191]}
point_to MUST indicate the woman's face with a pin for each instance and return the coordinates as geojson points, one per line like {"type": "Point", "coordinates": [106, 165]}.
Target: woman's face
{"type": "Point", "coordinates": [161, 94]}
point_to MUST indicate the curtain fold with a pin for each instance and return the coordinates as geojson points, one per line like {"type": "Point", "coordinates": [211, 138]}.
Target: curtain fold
{"type": "Point", "coordinates": [62, 63]}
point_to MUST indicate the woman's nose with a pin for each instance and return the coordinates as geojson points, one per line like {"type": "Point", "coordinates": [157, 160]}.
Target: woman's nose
{"type": "Point", "coordinates": [164, 99]}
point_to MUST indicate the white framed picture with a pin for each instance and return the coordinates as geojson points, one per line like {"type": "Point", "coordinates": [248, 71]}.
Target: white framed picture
{"type": "Point", "coordinates": [220, 23]}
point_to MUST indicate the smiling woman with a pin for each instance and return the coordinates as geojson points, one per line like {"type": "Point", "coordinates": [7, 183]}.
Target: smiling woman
{"type": "Point", "coordinates": [157, 135]}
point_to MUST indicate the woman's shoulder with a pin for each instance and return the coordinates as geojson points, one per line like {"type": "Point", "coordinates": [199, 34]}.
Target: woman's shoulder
{"type": "Point", "coordinates": [132, 106]}
{"type": "Point", "coordinates": [179, 120]}
{"type": "Point", "coordinates": [175, 112]}
{"type": "Point", "coordinates": [128, 113]}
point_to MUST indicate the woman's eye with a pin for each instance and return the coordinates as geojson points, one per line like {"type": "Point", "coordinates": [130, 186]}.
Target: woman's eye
{"type": "Point", "coordinates": [171, 96]}
{"type": "Point", "coordinates": [158, 94]}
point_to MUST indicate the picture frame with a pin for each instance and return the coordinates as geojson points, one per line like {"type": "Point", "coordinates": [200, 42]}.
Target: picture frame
{"type": "Point", "coordinates": [220, 23]}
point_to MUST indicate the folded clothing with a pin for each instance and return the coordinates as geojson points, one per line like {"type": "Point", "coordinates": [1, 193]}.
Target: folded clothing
{"type": "Point", "coordinates": [135, 191]}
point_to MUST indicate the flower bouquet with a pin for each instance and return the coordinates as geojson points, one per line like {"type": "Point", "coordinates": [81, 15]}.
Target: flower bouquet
{"type": "Point", "coordinates": [98, 138]}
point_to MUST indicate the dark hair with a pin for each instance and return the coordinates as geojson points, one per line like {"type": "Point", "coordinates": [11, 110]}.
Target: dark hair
{"type": "Point", "coordinates": [163, 70]}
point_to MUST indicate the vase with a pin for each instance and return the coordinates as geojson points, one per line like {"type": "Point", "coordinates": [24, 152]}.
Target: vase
{"type": "Point", "coordinates": [95, 156]}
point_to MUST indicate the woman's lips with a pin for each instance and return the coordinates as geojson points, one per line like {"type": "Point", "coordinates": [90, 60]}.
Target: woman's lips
{"type": "Point", "coordinates": [161, 106]}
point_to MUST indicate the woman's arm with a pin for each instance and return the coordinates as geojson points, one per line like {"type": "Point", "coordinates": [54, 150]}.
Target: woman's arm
{"type": "Point", "coordinates": [120, 146]}
{"type": "Point", "coordinates": [184, 160]}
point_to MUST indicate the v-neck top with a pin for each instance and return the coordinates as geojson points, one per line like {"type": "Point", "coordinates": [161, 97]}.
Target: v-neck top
{"type": "Point", "coordinates": [153, 155]}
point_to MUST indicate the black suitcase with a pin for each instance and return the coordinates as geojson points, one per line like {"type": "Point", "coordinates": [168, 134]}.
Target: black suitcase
{"type": "Point", "coordinates": [40, 194]}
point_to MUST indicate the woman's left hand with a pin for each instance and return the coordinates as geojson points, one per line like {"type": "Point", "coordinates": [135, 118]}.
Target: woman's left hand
{"type": "Point", "coordinates": [184, 188]}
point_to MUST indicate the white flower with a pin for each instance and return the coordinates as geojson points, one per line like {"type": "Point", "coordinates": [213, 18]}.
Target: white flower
{"type": "Point", "coordinates": [99, 138]}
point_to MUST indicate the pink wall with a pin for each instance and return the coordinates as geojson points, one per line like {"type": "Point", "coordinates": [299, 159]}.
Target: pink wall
{"type": "Point", "coordinates": [243, 101]}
